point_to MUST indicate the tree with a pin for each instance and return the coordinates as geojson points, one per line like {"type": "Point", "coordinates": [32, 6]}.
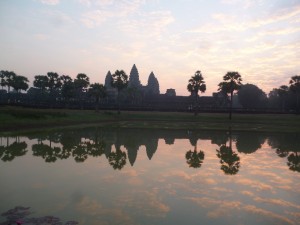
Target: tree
{"type": "Point", "coordinates": [196, 84]}
{"type": "Point", "coordinates": [54, 83]}
{"type": "Point", "coordinates": [81, 83]}
{"type": "Point", "coordinates": [19, 83]}
{"type": "Point", "coordinates": [7, 79]}
{"type": "Point", "coordinates": [68, 87]}
{"type": "Point", "coordinates": [41, 82]}
{"type": "Point", "coordinates": [251, 97]}
{"type": "Point", "coordinates": [295, 87]}
{"type": "Point", "coordinates": [3, 81]}
{"type": "Point", "coordinates": [283, 92]}
{"type": "Point", "coordinates": [97, 91]}
{"type": "Point", "coordinates": [119, 81]}
{"type": "Point", "coordinates": [232, 82]}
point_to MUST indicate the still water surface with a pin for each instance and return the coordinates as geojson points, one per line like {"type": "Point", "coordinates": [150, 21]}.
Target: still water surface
{"type": "Point", "coordinates": [129, 176]}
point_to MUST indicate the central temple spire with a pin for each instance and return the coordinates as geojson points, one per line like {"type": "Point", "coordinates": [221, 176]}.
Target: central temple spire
{"type": "Point", "coordinates": [134, 80]}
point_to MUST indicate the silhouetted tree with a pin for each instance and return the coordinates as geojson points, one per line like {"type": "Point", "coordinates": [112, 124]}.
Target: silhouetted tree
{"type": "Point", "coordinates": [19, 83]}
{"type": "Point", "coordinates": [97, 91]}
{"type": "Point", "coordinates": [295, 87]}
{"type": "Point", "coordinates": [251, 97]}
{"type": "Point", "coordinates": [283, 92]}
{"type": "Point", "coordinates": [232, 82]}
{"type": "Point", "coordinates": [119, 81]}
{"type": "Point", "coordinates": [196, 84]}
{"type": "Point", "coordinates": [7, 77]}
{"type": "Point", "coordinates": [41, 82]}
{"type": "Point", "coordinates": [3, 82]}
{"type": "Point", "coordinates": [68, 88]}
{"type": "Point", "coordinates": [81, 83]}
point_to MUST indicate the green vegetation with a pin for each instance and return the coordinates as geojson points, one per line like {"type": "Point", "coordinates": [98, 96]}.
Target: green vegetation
{"type": "Point", "coordinates": [21, 120]}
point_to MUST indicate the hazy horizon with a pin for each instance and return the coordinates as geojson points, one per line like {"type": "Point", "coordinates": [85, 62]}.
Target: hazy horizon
{"type": "Point", "coordinates": [258, 38]}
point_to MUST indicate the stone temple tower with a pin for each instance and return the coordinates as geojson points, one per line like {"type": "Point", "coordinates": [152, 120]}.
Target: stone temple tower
{"type": "Point", "coordinates": [153, 85]}
{"type": "Point", "coordinates": [134, 79]}
{"type": "Point", "coordinates": [108, 80]}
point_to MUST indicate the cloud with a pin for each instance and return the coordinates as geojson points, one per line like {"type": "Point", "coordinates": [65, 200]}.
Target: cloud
{"type": "Point", "coordinates": [108, 10]}
{"type": "Point", "coordinates": [279, 202]}
{"type": "Point", "coordinates": [50, 2]}
{"type": "Point", "coordinates": [260, 186]}
{"type": "Point", "coordinates": [258, 211]}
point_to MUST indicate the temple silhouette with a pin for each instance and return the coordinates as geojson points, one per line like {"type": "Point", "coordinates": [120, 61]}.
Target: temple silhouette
{"type": "Point", "coordinates": [149, 96]}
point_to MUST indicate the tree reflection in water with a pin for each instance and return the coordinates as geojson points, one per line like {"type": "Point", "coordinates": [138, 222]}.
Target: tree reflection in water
{"type": "Point", "coordinates": [11, 151]}
{"type": "Point", "coordinates": [83, 143]}
{"type": "Point", "coordinates": [287, 146]}
{"type": "Point", "coordinates": [117, 159]}
{"type": "Point", "coordinates": [230, 161]}
{"type": "Point", "coordinates": [194, 158]}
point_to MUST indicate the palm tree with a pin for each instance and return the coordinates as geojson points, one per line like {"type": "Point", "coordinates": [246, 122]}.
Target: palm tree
{"type": "Point", "coordinates": [231, 83]}
{"type": "Point", "coordinates": [119, 81]}
{"type": "Point", "coordinates": [295, 87]}
{"type": "Point", "coordinates": [98, 91]}
{"type": "Point", "coordinates": [196, 84]}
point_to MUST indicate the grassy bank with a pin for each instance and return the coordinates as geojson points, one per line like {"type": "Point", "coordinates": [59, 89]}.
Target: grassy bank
{"type": "Point", "coordinates": [13, 119]}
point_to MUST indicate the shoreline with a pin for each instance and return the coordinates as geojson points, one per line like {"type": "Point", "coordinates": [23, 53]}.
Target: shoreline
{"type": "Point", "coordinates": [23, 120]}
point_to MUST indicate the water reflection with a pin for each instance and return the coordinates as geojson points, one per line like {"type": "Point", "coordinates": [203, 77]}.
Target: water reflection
{"type": "Point", "coordinates": [129, 176]}
{"type": "Point", "coordinates": [287, 146]}
{"type": "Point", "coordinates": [10, 151]}
{"type": "Point", "coordinates": [122, 145]}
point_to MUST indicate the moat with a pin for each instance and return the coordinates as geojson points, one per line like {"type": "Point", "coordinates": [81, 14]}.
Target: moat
{"type": "Point", "coordinates": [153, 176]}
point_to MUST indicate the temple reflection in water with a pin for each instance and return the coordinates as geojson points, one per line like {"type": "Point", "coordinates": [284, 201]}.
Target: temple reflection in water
{"type": "Point", "coordinates": [120, 146]}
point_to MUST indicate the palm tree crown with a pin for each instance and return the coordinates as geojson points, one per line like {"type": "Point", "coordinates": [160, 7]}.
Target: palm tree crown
{"type": "Point", "coordinates": [196, 83]}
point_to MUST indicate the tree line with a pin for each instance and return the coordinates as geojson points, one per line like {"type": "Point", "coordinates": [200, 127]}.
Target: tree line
{"type": "Point", "coordinates": [52, 87]}
{"type": "Point", "coordinates": [286, 97]}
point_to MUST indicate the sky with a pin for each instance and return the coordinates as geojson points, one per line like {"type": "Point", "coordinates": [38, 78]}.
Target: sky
{"type": "Point", "coordinates": [258, 38]}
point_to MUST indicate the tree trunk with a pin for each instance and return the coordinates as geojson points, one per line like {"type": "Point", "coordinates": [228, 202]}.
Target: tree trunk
{"type": "Point", "coordinates": [231, 101]}
{"type": "Point", "coordinates": [196, 105]}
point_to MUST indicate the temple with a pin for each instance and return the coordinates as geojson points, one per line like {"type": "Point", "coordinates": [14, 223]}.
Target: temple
{"type": "Point", "coordinates": [134, 85]}
{"type": "Point", "coordinates": [148, 97]}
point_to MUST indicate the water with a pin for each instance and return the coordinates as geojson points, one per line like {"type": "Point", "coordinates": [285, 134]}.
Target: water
{"type": "Point", "coordinates": [128, 176]}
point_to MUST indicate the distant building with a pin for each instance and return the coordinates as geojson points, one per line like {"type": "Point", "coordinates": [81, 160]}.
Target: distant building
{"type": "Point", "coordinates": [171, 92]}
